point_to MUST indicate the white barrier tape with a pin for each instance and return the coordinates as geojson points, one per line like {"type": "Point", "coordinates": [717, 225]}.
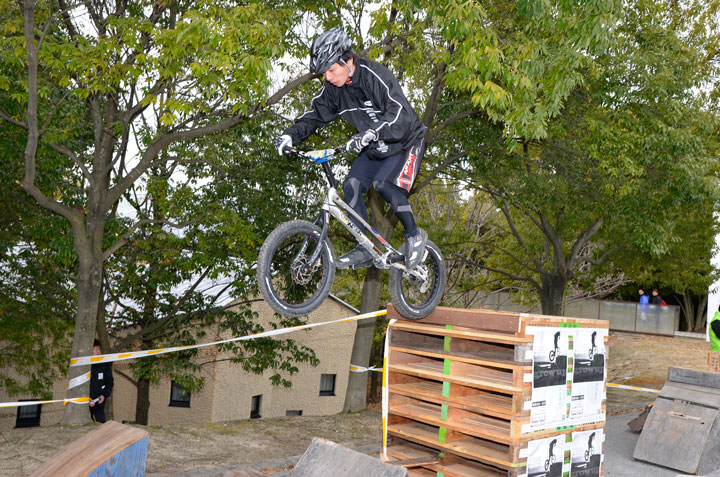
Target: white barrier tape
{"type": "Point", "coordinates": [633, 388]}
{"type": "Point", "coordinates": [385, 394]}
{"type": "Point", "coordinates": [78, 400]}
{"type": "Point", "coordinates": [363, 369]}
{"type": "Point", "coordinates": [77, 381]}
{"type": "Point", "coordinates": [107, 358]}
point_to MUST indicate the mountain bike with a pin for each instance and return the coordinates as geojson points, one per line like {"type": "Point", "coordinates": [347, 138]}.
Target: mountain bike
{"type": "Point", "coordinates": [296, 263]}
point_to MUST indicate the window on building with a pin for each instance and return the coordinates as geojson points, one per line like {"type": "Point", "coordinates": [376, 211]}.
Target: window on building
{"type": "Point", "coordinates": [294, 413]}
{"type": "Point", "coordinates": [28, 416]}
{"type": "Point", "coordinates": [327, 384]}
{"type": "Point", "coordinates": [255, 406]}
{"type": "Point", "coordinates": [178, 396]}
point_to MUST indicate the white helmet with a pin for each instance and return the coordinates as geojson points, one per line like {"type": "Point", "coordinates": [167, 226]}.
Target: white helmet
{"type": "Point", "coordinates": [327, 48]}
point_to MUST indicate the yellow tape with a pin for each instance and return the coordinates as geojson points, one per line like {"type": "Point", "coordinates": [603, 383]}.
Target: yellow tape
{"type": "Point", "coordinates": [633, 388]}
{"type": "Point", "coordinates": [362, 369]}
{"type": "Point", "coordinates": [108, 358]}
{"type": "Point", "coordinates": [78, 400]}
{"type": "Point", "coordinates": [78, 380]}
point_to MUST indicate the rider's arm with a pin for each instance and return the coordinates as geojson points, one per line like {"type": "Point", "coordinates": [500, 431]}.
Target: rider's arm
{"type": "Point", "coordinates": [396, 118]}
{"type": "Point", "coordinates": [323, 111]}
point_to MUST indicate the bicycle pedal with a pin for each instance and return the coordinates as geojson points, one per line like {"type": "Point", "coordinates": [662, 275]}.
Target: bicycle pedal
{"type": "Point", "coordinates": [365, 264]}
{"type": "Point", "coordinates": [396, 259]}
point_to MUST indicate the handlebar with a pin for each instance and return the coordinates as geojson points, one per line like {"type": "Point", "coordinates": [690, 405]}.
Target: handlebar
{"type": "Point", "coordinates": [318, 156]}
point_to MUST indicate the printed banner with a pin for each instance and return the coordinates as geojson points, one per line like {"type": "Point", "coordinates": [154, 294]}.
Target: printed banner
{"type": "Point", "coordinates": [545, 457]}
{"type": "Point", "coordinates": [586, 453]}
{"type": "Point", "coordinates": [550, 377]}
{"type": "Point", "coordinates": [588, 376]}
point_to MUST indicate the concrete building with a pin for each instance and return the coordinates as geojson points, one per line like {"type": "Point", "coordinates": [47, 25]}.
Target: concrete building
{"type": "Point", "coordinates": [229, 392]}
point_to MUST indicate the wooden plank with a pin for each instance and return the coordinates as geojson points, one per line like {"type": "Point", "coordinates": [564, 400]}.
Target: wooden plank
{"type": "Point", "coordinates": [709, 397]}
{"type": "Point", "coordinates": [435, 371]}
{"type": "Point", "coordinates": [481, 402]}
{"type": "Point", "coordinates": [479, 319]}
{"type": "Point", "coordinates": [485, 428]}
{"type": "Point", "coordinates": [694, 377]}
{"type": "Point", "coordinates": [92, 450]}
{"type": "Point", "coordinates": [463, 357]}
{"type": "Point", "coordinates": [467, 446]}
{"type": "Point", "coordinates": [441, 330]}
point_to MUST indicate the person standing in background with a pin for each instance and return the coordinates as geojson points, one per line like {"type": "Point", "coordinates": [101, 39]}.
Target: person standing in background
{"type": "Point", "coordinates": [101, 384]}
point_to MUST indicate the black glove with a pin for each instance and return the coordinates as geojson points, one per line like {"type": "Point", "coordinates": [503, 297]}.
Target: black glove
{"type": "Point", "coordinates": [282, 144]}
{"type": "Point", "coordinates": [360, 140]}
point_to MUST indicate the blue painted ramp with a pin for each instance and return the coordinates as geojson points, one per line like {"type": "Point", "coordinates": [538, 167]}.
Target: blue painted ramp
{"type": "Point", "coordinates": [112, 449]}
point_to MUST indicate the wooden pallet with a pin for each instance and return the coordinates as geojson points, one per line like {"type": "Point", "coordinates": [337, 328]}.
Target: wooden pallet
{"type": "Point", "coordinates": [457, 385]}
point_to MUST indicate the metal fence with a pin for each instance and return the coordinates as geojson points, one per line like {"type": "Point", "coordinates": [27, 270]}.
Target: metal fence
{"type": "Point", "coordinates": [622, 315]}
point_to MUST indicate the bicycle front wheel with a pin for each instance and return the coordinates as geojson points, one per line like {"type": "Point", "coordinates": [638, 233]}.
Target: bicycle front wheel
{"type": "Point", "coordinates": [288, 282]}
{"type": "Point", "coordinates": [413, 298]}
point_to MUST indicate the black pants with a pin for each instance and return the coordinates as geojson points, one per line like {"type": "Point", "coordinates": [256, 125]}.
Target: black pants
{"type": "Point", "coordinates": [392, 178]}
{"type": "Point", "coordinates": [97, 412]}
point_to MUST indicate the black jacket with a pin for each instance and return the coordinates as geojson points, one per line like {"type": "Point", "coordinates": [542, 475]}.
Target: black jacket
{"type": "Point", "coordinates": [375, 101]}
{"type": "Point", "coordinates": [101, 380]}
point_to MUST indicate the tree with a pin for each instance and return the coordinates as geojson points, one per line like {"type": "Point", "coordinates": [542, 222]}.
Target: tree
{"type": "Point", "coordinates": [204, 67]}
{"type": "Point", "coordinates": [170, 287]}
{"type": "Point", "coordinates": [634, 143]}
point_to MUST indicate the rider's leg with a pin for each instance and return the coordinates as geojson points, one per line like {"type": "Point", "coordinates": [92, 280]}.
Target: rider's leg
{"type": "Point", "coordinates": [393, 182]}
{"type": "Point", "coordinates": [356, 184]}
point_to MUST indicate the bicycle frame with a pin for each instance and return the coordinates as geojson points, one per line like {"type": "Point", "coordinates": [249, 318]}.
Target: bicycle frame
{"type": "Point", "coordinates": [336, 207]}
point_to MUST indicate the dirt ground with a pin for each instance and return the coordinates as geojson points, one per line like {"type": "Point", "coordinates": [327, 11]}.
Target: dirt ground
{"type": "Point", "coordinates": [637, 360]}
{"type": "Point", "coordinates": [643, 360]}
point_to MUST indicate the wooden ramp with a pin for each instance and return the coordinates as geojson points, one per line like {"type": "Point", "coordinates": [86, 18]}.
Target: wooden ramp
{"type": "Point", "coordinates": [326, 459]}
{"type": "Point", "coordinates": [682, 430]}
{"type": "Point", "coordinates": [111, 449]}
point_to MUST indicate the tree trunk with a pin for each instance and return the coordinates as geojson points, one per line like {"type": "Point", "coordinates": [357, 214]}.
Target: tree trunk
{"type": "Point", "coordinates": [142, 403]}
{"type": "Point", "coordinates": [701, 315]}
{"type": "Point", "coordinates": [552, 294]}
{"type": "Point", "coordinates": [89, 283]}
{"type": "Point", "coordinates": [687, 305]}
{"type": "Point", "coordinates": [356, 396]}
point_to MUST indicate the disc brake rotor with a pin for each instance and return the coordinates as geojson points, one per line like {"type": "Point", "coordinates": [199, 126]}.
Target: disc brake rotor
{"type": "Point", "coordinates": [300, 271]}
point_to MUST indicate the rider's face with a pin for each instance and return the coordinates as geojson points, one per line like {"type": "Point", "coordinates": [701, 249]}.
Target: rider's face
{"type": "Point", "coordinates": [338, 74]}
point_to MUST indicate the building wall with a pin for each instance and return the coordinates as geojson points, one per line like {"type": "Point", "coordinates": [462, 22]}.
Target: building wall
{"type": "Point", "coordinates": [161, 412]}
{"type": "Point", "coordinates": [49, 414]}
{"type": "Point", "coordinates": [234, 388]}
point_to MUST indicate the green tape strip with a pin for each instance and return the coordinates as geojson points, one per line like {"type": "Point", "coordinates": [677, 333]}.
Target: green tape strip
{"type": "Point", "coordinates": [446, 389]}
{"type": "Point", "coordinates": [441, 435]}
{"type": "Point", "coordinates": [568, 437]}
{"type": "Point", "coordinates": [565, 428]}
{"type": "Point", "coordinates": [444, 412]}
{"type": "Point", "coordinates": [567, 324]}
{"type": "Point", "coordinates": [439, 474]}
{"type": "Point", "coordinates": [446, 367]}
{"type": "Point", "coordinates": [446, 344]}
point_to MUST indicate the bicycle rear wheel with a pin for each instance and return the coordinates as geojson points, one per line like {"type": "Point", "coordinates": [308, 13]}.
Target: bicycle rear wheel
{"type": "Point", "coordinates": [288, 282]}
{"type": "Point", "coordinates": [415, 299]}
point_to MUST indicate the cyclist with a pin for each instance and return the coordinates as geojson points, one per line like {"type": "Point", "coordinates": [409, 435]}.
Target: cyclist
{"type": "Point", "coordinates": [390, 137]}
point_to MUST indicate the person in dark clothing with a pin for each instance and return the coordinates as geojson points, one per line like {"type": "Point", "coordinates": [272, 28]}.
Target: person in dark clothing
{"type": "Point", "coordinates": [101, 384]}
{"type": "Point", "coordinates": [656, 298]}
{"type": "Point", "coordinates": [390, 136]}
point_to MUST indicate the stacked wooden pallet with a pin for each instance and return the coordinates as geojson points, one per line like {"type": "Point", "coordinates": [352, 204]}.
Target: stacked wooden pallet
{"type": "Point", "coordinates": [460, 387]}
